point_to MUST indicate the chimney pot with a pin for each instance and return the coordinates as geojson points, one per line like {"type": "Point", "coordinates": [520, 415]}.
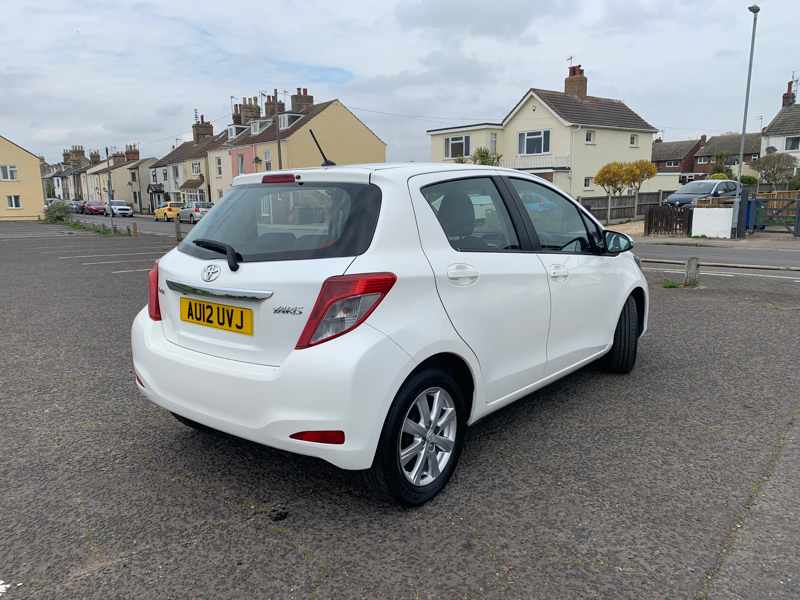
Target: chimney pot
{"type": "Point", "coordinates": [305, 91]}
{"type": "Point", "coordinates": [298, 91]}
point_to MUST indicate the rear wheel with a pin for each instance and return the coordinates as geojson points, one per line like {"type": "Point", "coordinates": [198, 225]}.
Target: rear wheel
{"type": "Point", "coordinates": [421, 440]}
{"type": "Point", "coordinates": [622, 356]}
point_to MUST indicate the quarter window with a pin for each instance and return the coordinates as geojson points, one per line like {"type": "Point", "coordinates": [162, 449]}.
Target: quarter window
{"type": "Point", "coordinates": [13, 202]}
{"type": "Point", "coordinates": [456, 146]}
{"type": "Point", "coordinates": [793, 143]}
{"type": "Point", "coordinates": [472, 215]}
{"type": "Point", "coordinates": [534, 142]}
{"type": "Point", "coordinates": [557, 221]}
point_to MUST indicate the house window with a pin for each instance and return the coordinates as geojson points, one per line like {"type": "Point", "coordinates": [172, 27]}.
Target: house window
{"type": "Point", "coordinates": [456, 146]}
{"type": "Point", "coordinates": [589, 136]}
{"type": "Point", "coordinates": [8, 172]}
{"type": "Point", "coordinates": [793, 143]}
{"type": "Point", "coordinates": [175, 172]}
{"type": "Point", "coordinates": [634, 140]}
{"type": "Point", "coordinates": [195, 167]}
{"type": "Point", "coordinates": [587, 183]}
{"type": "Point", "coordinates": [267, 160]}
{"type": "Point", "coordinates": [672, 163]}
{"type": "Point", "coordinates": [754, 157]}
{"type": "Point", "coordinates": [493, 142]}
{"type": "Point", "coordinates": [219, 166]}
{"type": "Point", "coordinates": [164, 173]}
{"type": "Point", "coordinates": [534, 142]}
{"type": "Point", "coordinates": [14, 202]}
{"type": "Point", "coordinates": [133, 176]}
{"type": "Point", "coordinates": [703, 160]}
{"type": "Point", "coordinates": [154, 176]}
{"type": "Point", "coordinates": [240, 164]}
{"type": "Point", "coordinates": [201, 195]}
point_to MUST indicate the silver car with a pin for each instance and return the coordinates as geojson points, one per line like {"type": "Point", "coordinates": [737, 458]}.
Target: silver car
{"type": "Point", "coordinates": [194, 211]}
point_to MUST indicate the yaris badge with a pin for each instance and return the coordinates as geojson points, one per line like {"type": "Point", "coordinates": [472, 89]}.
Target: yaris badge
{"type": "Point", "coordinates": [210, 273]}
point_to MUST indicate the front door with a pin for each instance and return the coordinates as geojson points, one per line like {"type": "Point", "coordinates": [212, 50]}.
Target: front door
{"type": "Point", "coordinates": [494, 292]}
{"type": "Point", "coordinates": [585, 287]}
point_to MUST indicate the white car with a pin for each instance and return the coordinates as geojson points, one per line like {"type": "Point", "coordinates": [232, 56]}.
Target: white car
{"type": "Point", "coordinates": [366, 315]}
{"type": "Point", "coordinates": [120, 209]}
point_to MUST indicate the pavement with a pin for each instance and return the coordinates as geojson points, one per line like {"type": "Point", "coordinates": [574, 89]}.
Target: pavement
{"type": "Point", "coordinates": [676, 481]}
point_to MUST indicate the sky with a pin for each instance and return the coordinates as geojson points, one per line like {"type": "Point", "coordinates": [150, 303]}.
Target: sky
{"type": "Point", "coordinates": [101, 73]}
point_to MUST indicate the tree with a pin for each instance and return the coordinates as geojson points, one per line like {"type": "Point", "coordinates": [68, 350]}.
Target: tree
{"type": "Point", "coordinates": [719, 165]}
{"type": "Point", "coordinates": [637, 172]}
{"type": "Point", "coordinates": [611, 177]}
{"type": "Point", "coordinates": [482, 156]}
{"type": "Point", "coordinates": [775, 168]}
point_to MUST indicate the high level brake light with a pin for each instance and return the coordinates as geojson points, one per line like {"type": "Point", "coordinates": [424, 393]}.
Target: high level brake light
{"type": "Point", "coordinates": [344, 302]}
{"type": "Point", "coordinates": [280, 178]}
{"type": "Point", "coordinates": [153, 305]}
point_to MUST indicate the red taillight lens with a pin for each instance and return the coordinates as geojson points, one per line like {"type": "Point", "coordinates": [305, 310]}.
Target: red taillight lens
{"type": "Point", "coordinates": [320, 437]}
{"type": "Point", "coordinates": [344, 302]}
{"type": "Point", "coordinates": [153, 306]}
{"type": "Point", "coordinates": [282, 178]}
{"type": "Point", "coordinates": [196, 209]}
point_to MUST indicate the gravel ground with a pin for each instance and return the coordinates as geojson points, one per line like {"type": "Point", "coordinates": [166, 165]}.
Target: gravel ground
{"type": "Point", "coordinates": [676, 481]}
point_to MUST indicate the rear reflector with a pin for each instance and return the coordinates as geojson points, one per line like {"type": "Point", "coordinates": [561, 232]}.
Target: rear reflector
{"type": "Point", "coordinates": [344, 302]}
{"type": "Point", "coordinates": [320, 437]}
{"type": "Point", "coordinates": [283, 178]}
{"type": "Point", "coordinates": [153, 305]}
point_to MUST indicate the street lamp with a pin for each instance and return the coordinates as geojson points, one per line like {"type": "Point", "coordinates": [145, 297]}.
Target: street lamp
{"type": "Point", "coordinates": [753, 9]}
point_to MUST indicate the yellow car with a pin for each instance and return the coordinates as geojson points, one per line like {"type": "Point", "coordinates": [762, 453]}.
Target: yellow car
{"type": "Point", "coordinates": [168, 211]}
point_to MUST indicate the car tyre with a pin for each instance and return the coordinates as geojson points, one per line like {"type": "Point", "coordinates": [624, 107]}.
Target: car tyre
{"type": "Point", "coordinates": [191, 219]}
{"type": "Point", "coordinates": [622, 356]}
{"type": "Point", "coordinates": [193, 424]}
{"type": "Point", "coordinates": [388, 476]}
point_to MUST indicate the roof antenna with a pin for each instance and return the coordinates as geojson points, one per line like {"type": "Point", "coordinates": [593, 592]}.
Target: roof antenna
{"type": "Point", "coordinates": [325, 161]}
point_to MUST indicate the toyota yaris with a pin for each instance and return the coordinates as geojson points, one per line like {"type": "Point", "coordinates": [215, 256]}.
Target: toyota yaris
{"type": "Point", "coordinates": [367, 315]}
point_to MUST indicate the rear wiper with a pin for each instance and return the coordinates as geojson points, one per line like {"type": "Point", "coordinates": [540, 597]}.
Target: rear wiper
{"type": "Point", "coordinates": [229, 251]}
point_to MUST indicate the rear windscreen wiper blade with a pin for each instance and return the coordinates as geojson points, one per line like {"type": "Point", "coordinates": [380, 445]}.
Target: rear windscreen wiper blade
{"type": "Point", "coordinates": [229, 251]}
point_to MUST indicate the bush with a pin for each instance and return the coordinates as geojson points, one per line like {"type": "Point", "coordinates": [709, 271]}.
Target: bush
{"type": "Point", "coordinates": [794, 183]}
{"type": "Point", "coordinates": [57, 213]}
{"type": "Point", "coordinates": [749, 180]}
{"type": "Point", "coordinates": [718, 176]}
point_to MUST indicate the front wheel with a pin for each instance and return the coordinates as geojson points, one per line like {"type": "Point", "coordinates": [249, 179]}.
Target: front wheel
{"type": "Point", "coordinates": [622, 356]}
{"type": "Point", "coordinates": [421, 440]}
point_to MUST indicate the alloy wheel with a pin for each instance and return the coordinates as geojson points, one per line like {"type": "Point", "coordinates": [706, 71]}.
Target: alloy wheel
{"type": "Point", "coordinates": [428, 436]}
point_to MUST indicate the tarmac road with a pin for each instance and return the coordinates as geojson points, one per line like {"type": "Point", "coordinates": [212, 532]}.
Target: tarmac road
{"type": "Point", "coordinates": [677, 481]}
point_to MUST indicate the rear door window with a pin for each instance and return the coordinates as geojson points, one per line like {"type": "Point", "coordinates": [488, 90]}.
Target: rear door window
{"type": "Point", "coordinates": [291, 222]}
{"type": "Point", "coordinates": [472, 215]}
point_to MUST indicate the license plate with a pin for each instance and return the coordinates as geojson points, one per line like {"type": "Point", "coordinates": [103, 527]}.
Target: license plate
{"type": "Point", "coordinates": [218, 316]}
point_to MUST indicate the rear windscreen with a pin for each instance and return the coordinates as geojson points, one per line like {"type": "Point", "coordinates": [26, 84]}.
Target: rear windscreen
{"type": "Point", "coordinates": [291, 222]}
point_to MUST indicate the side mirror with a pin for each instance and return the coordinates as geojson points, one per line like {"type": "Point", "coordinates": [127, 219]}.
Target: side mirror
{"type": "Point", "coordinates": [617, 242]}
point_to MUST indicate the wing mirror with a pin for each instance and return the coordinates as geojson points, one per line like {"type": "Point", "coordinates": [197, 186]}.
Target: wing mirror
{"type": "Point", "coordinates": [617, 242]}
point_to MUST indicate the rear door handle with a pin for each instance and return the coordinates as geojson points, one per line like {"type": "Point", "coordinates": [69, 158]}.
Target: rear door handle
{"type": "Point", "coordinates": [559, 272]}
{"type": "Point", "coordinates": [462, 274]}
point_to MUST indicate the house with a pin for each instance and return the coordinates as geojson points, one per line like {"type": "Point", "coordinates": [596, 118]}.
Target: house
{"type": "Point", "coordinates": [115, 168]}
{"type": "Point", "coordinates": [727, 147]}
{"type": "Point", "coordinates": [183, 173]}
{"type": "Point", "coordinates": [783, 132]}
{"type": "Point", "coordinates": [138, 181]}
{"type": "Point", "coordinates": [344, 138]}
{"type": "Point", "coordinates": [21, 193]}
{"type": "Point", "coordinates": [565, 137]}
{"type": "Point", "coordinates": [677, 157]}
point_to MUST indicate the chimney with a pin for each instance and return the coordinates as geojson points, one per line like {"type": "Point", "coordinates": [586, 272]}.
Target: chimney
{"type": "Point", "coordinates": [575, 83]}
{"type": "Point", "coordinates": [131, 152]}
{"type": "Point", "coordinates": [248, 110]}
{"type": "Point", "coordinates": [703, 139]}
{"type": "Point", "coordinates": [202, 130]}
{"type": "Point", "coordinates": [301, 101]}
{"type": "Point", "coordinates": [94, 157]}
{"type": "Point", "coordinates": [789, 96]}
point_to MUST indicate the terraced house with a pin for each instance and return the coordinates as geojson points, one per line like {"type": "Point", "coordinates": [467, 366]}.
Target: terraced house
{"type": "Point", "coordinates": [21, 192]}
{"type": "Point", "coordinates": [564, 137]}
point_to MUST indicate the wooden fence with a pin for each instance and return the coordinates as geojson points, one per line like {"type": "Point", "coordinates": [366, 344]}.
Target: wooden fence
{"type": "Point", "coordinates": [667, 220]}
{"type": "Point", "coordinates": [615, 208]}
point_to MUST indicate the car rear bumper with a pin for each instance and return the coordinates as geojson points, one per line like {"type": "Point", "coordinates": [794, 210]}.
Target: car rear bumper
{"type": "Point", "coordinates": [346, 384]}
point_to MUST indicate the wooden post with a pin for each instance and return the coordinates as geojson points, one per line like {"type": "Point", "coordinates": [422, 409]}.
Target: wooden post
{"type": "Point", "coordinates": [660, 197]}
{"type": "Point", "coordinates": [135, 227]}
{"type": "Point", "coordinates": [636, 204]}
{"type": "Point", "coordinates": [177, 229]}
{"type": "Point", "coordinates": [608, 210]}
{"type": "Point", "coordinates": [128, 230]}
{"type": "Point", "coordinates": [692, 268]}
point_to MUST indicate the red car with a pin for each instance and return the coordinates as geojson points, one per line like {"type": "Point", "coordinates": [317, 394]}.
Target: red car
{"type": "Point", "coordinates": [94, 208]}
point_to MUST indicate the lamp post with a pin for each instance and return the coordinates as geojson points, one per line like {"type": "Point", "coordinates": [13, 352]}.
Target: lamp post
{"type": "Point", "coordinates": [753, 9]}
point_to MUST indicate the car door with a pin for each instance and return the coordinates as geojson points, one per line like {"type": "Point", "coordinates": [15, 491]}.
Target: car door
{"type": "Point", "coordinates": [586, 287]}
{"type": "Point", "coordinates": [494, 292]}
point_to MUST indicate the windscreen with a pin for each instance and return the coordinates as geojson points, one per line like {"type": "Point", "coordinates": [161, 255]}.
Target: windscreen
{"type": "Point", "coordinates": [291, 222]}
{"type": "Point", "coordinates": [698, 187]}
{"type": "Point", "coordinates": [118, 203]}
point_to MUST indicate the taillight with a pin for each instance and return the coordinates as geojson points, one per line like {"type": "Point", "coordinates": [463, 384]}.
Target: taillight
{"type": "Point", "coordinates": [281, 178]}
{"type": "Point", "coordinates": [196, 209]}
{"type": "Point", "coordinates": [344, 302]}
{"type": "Point", "coordinates": [153, 306]}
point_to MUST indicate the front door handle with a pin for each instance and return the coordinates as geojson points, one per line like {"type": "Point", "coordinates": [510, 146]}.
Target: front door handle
{"type": "Point", "coordinates": [462, 274]}
{"type": "Point", "coordinates": [559, 272]}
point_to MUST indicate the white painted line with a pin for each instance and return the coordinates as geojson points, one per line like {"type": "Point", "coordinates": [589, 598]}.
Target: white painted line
{"type": "Point", "coordinates": [45, 236]}
{"type": "Point", "coordinates": [4, 587]}
{"type": "Point", "coordinates": [718, 274]}
{"type": "Point", "coordinates": [114, 262]}
{"type": "Point", "coordinates": [130, 271]}
{"type": "Point", "coordinates": [134, 247]}
{"type": "Point", "coordinates": [151, 253]}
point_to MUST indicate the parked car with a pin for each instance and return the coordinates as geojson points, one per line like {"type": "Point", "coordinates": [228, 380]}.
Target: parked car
{"type": "Point", "coordinates": [687, 195]}
{"type": "Point", "coordinates": [194, 211]}
{"type": "Point", "coordinates": [367, 315]}
{"type": "Point", "coordinates": [94, 208]}
{"type": "Point", "coordinates": [168, 211]}
{"type": "Point", "coordinates": [74, 206]}
{"type": "Point", "coordinates": [118, 208]}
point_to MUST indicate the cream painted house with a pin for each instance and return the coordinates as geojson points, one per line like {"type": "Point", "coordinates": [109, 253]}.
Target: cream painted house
{"type": "Point", "coordinates": [117, 164]}
{"type": "Point", "coordinates": [562, 136]}
{"type": "Point", "coordinates": [21, 192]}
{"type": "Point", "coordinates": [783, 132]}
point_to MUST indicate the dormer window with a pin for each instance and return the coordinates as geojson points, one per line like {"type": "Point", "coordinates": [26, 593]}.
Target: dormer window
{"type": "Point", "coordinates": [286, 120]}
{"type": "Point", "coordinates": [259, 125]}
{"type": "Point", "coordinates": [236, 130]}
